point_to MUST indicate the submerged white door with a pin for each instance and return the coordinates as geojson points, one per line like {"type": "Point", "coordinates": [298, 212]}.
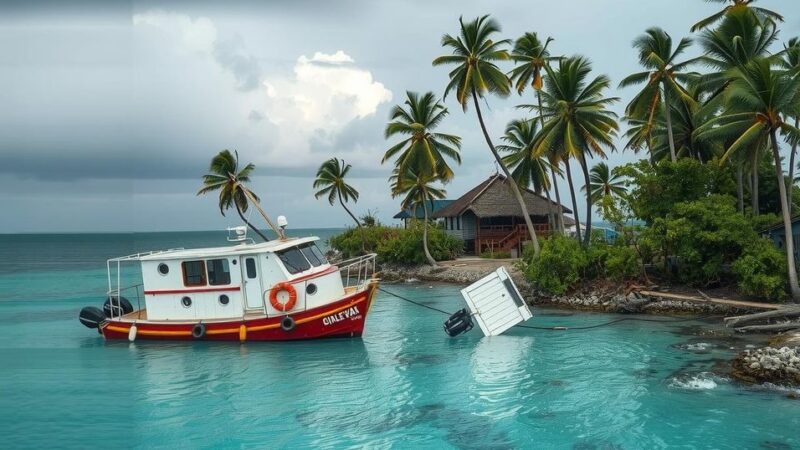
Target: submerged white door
{"type": "Point", "coordinates": [251, 282]}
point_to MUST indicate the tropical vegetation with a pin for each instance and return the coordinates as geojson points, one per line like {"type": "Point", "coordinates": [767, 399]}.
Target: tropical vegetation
{"type": "Point", "coordinates": [331, 183]}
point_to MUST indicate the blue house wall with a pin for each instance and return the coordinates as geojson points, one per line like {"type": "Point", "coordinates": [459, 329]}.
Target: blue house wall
{"type": "Point", "coordinates": [778, 237]}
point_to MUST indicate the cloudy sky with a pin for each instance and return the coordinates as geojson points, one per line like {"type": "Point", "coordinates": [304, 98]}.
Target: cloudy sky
{"type": "Point", "coordinates": [111, 111]}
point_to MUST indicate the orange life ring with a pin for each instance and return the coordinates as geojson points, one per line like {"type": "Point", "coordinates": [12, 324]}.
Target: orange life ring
{"type": "Point", "coordinates": [273, 296]}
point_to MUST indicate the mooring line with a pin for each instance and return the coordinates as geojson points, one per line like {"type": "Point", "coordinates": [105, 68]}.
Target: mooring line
{"type": "Point", "coordinates": [563, 328]}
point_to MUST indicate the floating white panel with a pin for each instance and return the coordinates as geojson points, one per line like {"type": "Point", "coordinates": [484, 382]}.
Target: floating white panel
{"type": "Point", "coordinates": [496, 303]}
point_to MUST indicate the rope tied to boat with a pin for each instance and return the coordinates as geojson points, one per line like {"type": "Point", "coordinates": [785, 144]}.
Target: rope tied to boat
{"type": "Point", "coordinates": [562, 328]}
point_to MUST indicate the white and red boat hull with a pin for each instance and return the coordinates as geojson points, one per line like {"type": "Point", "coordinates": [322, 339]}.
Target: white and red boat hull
{"type": "Point", "coordinates": [343, 318]}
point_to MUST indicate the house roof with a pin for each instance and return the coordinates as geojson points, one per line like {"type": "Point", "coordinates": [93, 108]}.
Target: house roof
{"type": "Point", "coordinates": [420, 213]}
{"type": "Point", "coordinates": [779, 225]}
{"type": "Point", "coordinates": [492, 198]}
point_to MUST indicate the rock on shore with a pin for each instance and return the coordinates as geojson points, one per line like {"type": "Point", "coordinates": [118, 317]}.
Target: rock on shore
{"type": "Point", "coordinates": [769, 364]}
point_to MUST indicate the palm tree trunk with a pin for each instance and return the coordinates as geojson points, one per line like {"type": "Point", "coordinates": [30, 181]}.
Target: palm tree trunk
{"type": "Point", "coordinates": [791, 171]}
{"type": "Point", "coordinates": [258, 232]}
{"type": "Point", "coordinates": [668, 118]}
{"type": "Point", "coordinates": [512, 185]}
{"type": "Point", "coordinates": [587, 237]}
{"type": "Point", "coordinates": [560, 222]}
{"type": "Point", "coordinates": [263, 214]}
{"type": "Point", "coordinates": [358, 225]}
{"type": "Point", "coordinates": [754, 200]}
{"type": "Point", "coordinates": [551, 217]}
{"type": "Point", "coordinates": [787, 221]}
{"type": "Point", "coordinates": [574, 202]}
{"type": "Point", "coordinates": [431, 261]}
{"type": "Point", "coordinates": [740, 187]}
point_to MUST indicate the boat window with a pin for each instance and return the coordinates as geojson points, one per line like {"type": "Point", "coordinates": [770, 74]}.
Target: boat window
{"type": "Point", "coordinates": [294, 261]}
{"type": "Point", "coordinates": [318, 253]}
{"type": "Point", "coordinates": [310, 255]}
{"type": "Point", "coordinates": [218, 272]}
{"type": "Point", "coordinates": [194, 273]}
{"type": "Point", "coordinates": [250, 266]}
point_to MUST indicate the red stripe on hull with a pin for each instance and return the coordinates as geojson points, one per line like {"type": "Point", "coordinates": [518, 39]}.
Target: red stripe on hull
{"type": "Point", "coordinates": [344, 318]}
{"type": "Point", "coordinates": [187, 291]}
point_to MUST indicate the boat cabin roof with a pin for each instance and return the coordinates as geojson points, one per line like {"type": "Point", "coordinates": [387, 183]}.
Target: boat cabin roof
{"type": "Point", "coordinates": [209, 252]}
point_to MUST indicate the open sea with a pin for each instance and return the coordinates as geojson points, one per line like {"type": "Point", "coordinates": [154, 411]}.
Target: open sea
{"type": "Point", "coordinates": [405, 384]}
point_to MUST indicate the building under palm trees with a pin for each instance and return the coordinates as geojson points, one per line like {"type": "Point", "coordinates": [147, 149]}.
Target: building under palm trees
{"type": "Point", "coordinates": [488, 217]}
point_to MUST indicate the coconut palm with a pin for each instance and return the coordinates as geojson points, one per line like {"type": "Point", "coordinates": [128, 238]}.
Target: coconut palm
{"type": "Point", "coordinates": [527, 169]}
{"type": "Point", "coordinates": [759, 97]}
{"type": "Point", "coordinates": [662, 79]}
{"type": "Point", "coordinates": [605, 183]}
{"type": "Point", "coordinates": [531, 56]}
{"type": "Point", "coordinates": [578, 121]}
{"type": "Point", "coordinates": [224, 176]}
{"type": "Point", "coordinates": [417, 187]}
{"type": "Point", "coordinates": [790, 60]}
{"type": "Point", "coordinates": [422, 147]}
{"type": "Point", "coordinates": [474, 54]}
{"type": "Point", "coordinates": [331, 182]}
{"type": "Point", "coordinates": [736, 6]}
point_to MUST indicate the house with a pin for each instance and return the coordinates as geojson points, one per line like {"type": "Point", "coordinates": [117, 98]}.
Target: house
{"type": "Point", "coordinates": [775, 232]}
{"type": "Point", "coordinates": [488, 217]}
{"type": "Point", "coordinates": [416, 211]}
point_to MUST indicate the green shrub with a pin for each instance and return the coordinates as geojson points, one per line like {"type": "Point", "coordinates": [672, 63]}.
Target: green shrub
{"type": "Point", "coordinates": [761, 271]}
{"type": "Point", "coordinates": [559, 266]}
{"type": "Point", "coordinates": [615, 262]}
{"type": "Point", "coordinates": [398, 245]}
{"type": "Point", "coordinates": [496, 255]}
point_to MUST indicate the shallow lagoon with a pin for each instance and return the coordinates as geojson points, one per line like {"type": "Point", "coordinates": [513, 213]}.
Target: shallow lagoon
{"type": "Point", "coordinates": [631, 385]}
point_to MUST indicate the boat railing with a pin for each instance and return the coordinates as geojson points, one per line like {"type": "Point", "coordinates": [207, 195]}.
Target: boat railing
{"type": "Point", "coordinates": [357, 272]}
{"type": "Point", "coordinates": [131, 292]}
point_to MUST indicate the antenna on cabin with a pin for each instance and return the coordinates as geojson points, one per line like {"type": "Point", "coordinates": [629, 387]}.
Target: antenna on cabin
{"type": "Point", "coordinates": [282, 224]}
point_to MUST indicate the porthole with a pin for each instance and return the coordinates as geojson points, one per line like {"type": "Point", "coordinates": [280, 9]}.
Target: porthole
{"type": "Point", "coordinates": [233, 261]}
{"type": "Point", "coordinates": [163, 269]}
{"type": "Point", "coordinates": [186, 302]}
{"type": "Point", "coordinates": [311, 289]}
{"type": "Point", "coordinates": [224, 300]}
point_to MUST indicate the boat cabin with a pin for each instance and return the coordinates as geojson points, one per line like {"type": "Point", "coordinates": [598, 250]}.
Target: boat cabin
{"type": "Point", "coordinates": [233, 281]}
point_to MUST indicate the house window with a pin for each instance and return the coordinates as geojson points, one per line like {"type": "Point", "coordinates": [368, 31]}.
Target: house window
{"type": "Point", "coordinates": [194, 273]}
{"type": "Point", "coordinates": [294, 261]}
{"type": "Point", "coordinates": [218, 272]}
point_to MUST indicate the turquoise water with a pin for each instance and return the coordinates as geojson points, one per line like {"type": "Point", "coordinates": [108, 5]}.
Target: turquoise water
{"type": "Point", "coordinates": [405, 384]}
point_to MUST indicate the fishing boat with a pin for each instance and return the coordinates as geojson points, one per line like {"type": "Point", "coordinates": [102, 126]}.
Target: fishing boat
{"type": "Point", "coordinates": [280, 290]}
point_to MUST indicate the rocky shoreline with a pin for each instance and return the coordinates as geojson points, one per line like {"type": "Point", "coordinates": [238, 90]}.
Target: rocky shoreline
{"type": "Point", "coordinates": [591, 298]}
{"type": "Point", "coordinates": [768, 365]}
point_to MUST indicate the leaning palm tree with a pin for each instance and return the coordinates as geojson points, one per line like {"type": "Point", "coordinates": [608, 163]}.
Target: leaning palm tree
{"type": "Point", "coordinates": [422, 147]}
{"type": "Point", "coordinates": [734, 6]}
{"type": "Point", "coordinates": [759, 97]}
{"type": "Point", "coordinates": [579, 122]}
{"type": "Point", "coordinates": [331, 182]}
{"type": "Point", "coordinates": [604, 182]}
{"type": "Point", "coordinates": [790, 60]}
{"type": "Point", "coordinates": [527, 168]}
{"type": "Point", "coordinates": [662, 79]}
{"type": "Point", "coordinates": [474, 54]}
{"type": "Point", "coordinates": [224, 176]}
{"type": "Point", "coordinates": [417, 187]}
{"type": "Point", "coordinates": [531, 56]}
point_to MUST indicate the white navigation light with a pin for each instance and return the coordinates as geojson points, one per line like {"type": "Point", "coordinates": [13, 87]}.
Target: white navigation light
{"type": "Point", "coordinates": [495, 303]}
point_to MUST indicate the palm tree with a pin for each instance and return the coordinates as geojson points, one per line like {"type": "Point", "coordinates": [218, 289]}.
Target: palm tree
{"type": "Point", "coordinates": [605, 183]}
{"type": "Point", "coordinates": [474, 54]}
{"type": "Point", "coordinates": [417, 187]}
{"type": "Point", "coordinates": [331, 182]}
{"type": "Point", "coordinates": [759, 98]}
{"type": "Point", "coordinates": [662, 78]}
{"type": "Point", "coordinates": [422, 147]}
{"type": "Point", "coordinates": [791, 62]}
{"type": "Point", "coordinates": [531, 56]}
{"type": "Point", "coordinates": [734, 6]}
{"type": "Point", "coordinates": [527, 169]}
{"type": "Point", "coordinates": [578, 121]}
{"type": "Point", "coordinates": [224, 175]}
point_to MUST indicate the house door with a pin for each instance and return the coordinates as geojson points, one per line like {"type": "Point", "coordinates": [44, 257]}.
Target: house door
{"type": "Point", "coordinates": [251, 282]}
